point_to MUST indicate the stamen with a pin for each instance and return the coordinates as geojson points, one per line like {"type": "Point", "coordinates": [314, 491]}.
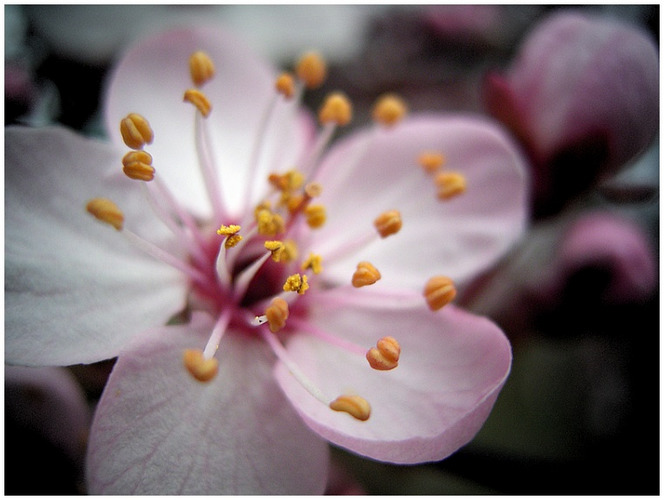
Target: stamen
{"type": "Point", "coordinates": [311, 69]}
{"type": "Point", "coordinates": [385, 356]}
{"type": "Point", "coordinates": [450, 184]}
{"type": "Point", "coordinates": [313, 262]}
{"type": "Point", "coordinates": [296, 283]}
{"type": "Point", "coordinates": [106, 211]}
{"type": "Point", "coordinates": [137, 165]}
{"type": "Point", "coordinates": [200, 368]}
{"type": "Point", "coordinates": [365, 274]}
{"type": "Point", "coordinates": [315, 215]}
{"type": "Point", "coordinates": [388, 223]}
{"type": "Point", "coordinates": [228, 230]}
{"type": "Point", "coordinates": [136, 131]}
{"type": "Point", "coordinates": [277, 314]}
{"type": "Point", "coordinates": [269, 223]}
{"type": "Point", "coordinates": [201, 68]}
{"type": "Point", "coordinates": [232, 238]}
{"type": "Point", "coordinates": [355, 406]}
{"type": "Point", "coordinates": [389, 110]}
{"type": "Point", "coordinates": [285, 85]}
{"type": "Point", "coordinates": [439, 291]}
{"type": "Point", "coordinates": [276, 247]}
{"type": "Point", "coordinates": [431, 161]}
{"type": "Point", "coordinates": [336, 109]}
{"type": "Point", "coordinates": [198, 99]}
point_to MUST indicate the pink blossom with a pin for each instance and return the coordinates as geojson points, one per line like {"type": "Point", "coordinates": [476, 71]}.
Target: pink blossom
{"type": "Point", "coordinates": [165, 282]}
{"type": "Point", "coordinates": [582, 95]}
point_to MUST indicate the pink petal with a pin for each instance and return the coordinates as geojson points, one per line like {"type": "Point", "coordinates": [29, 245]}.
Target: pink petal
{"type": "Point", "coordinates": [452, 366]}
{"type": "Point", "coordinates": [459, 237]}
{"type": "Point", "coordinates": [76, 291]}
{"type": "Point", "coordinates": [151, 80]}
{"type": "Point", "coordinates": [159, 431]}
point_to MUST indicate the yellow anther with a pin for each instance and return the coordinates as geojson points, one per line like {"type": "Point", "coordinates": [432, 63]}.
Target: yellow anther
{"type": "Point", "coordinates": [136, 131]}
{"type": "Point", "coordinates": [289, 253]}
{"type": "Point", "coordinates": [389, 109]}
{"type": "Point", "coordinates": [232, 238]}
{"type": "Point", "coordinates": [311, 69]}
{"type": "Point", "coordinates": [296, 283]}
{"type": "Point", "coordinates": [198, 99]}
{"type": "Point", "coordinates": [385, 356]}
{"type": "Point", "coordinates": [228, 230]}
{"type": "Point", "coordinates": [439, 291]}
{"type": "Point", "coordinates": [431, 161]}
{"type": "Point", "coordinates": [313, 189]}
{"type": "Point", "coordinates": [355, 406]}
{"type": "Point", "coordinates": [269, 223]}
{"type": "Point", "coordinates": [365, 274]}
{"type": "Point", "coordinates": [106, 211]}
{"type": "Point", "coordinates": [277, 248]}
{"type": "Point", "coordinates": [201, 68]}
{"type": "Point", "coordinates": [336, 108]}
{"type": "Point", "coordinates": [313, 262]}
{"type": "Point", "coordinates": [137, 165]}
{"type": "Point", "coordinates": [450, 184]}
{"type": "Point", "coordinates": [277, 314]}
{"type": "Point", "coordinates": [315, 215]}
{"type": "Point", "coordinates": [388, 223]}
{"type": "Point", "coordinates": [285, 85]}
{"type": "Point", "coordinates": [200, 368]}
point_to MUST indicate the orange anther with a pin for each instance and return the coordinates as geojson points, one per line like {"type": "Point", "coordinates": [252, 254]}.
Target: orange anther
{"type": "Point", "coordinates": [198, 99]}
{"type": "Point", "coordinates": [365, 274]}
{"type": "Point", "coordinates": [277, 314]}
{"type": "Point", "coordinates": [439, 291]}
{"type": "Point", "coordinates": [388, 223]}
{"type": "Point", "coordinates": [106, 211]}
{"type": "Point", "coordinates": [385, 356]}
{"type": "Point", "coordinates": [336, 108]}
{"type": "Point", "coordinates": [311, 69]}
{"type": "Point", "coordinates": [201, 68]}
{"type": "Point", "coordinates": [200, 368]}
{"type": "Point", "coordinates": [137, 165]}
{"type": "Point", "coordinates": [355, 406]}
{"type": "Point", "coordinates": [389, 109]}
{"type": "Point", "coordinates": [285, 85]}
{"type": "Point", "coordinates": [431, 161]}
{"type": "Point", "coordinates": [136, 131]}
{"type": "Point", "coordinates": [450, 184]}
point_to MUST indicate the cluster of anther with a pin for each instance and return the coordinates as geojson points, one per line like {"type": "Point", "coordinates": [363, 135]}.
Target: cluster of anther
{"type": "Point", "coordinates": [291, 199]}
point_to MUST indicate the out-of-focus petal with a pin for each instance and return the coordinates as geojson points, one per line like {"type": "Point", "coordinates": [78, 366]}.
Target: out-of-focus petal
{"type": "Point", "coordinates": [609, 242]}
{"type": "Point", "coordinates": [158, 430]}
{"type": "Point", "coordinates": [76, 291]}
{"type": "Point", "coordinates": [473, 229]}
{"type": "Point", "coordinates": [151, 79]}
{"type": "Point", "coordinates": [452, 366]}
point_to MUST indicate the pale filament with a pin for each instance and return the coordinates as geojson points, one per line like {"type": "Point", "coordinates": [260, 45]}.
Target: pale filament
{"type": "Point", "coordinates": [217, 333]}
{"type": "Point", "coordinates": [347, 295]}
{"type": "Point", "coordinates": [208, 167]}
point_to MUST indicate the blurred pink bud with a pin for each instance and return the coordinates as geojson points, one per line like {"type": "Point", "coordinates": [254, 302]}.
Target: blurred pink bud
{"type": "Point", "coordinates": [582, 96]}
{"type": "Point", "coordinates": [612, 244]}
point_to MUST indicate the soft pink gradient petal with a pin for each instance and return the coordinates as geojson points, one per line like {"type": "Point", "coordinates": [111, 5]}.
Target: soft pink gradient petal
{"type": "Point", "coordinates": [452, 366]}
{"type": "Point", "coordinates": [459, 237]}
{"type": "Point", "coordinates": [159, 431]}
{"type": "Point", "coordinates": [75, 290]}
{"type": "Point", "coordinates": [151, 80]}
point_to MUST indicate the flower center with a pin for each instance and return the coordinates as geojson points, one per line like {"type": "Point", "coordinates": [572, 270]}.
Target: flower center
{"type": "Point", "coordinates": [256, 274]}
